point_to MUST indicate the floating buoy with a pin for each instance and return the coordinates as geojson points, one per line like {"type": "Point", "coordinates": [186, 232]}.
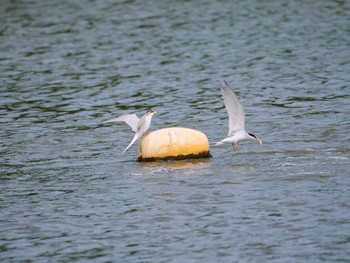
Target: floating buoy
{"type": "Point", "coordinates": [174, 143]}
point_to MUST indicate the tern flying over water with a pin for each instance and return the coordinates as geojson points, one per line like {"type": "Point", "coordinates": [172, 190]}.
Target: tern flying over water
{"type": "Point", "coordinates": [236, 116]}
{"type": "Point", "coordinates": [139, 126]}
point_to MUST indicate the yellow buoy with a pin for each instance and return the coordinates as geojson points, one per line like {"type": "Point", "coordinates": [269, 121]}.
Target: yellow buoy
{"type": "Point", "coordinates": [174, 144]}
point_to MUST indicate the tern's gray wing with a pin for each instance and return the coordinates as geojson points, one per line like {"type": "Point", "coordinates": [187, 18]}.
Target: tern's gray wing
{"type": "Point", "coordinates": [136, 136]}
{"type": "Point", "coordinates": [234, 109]}
{"type": "Point", "coordinates": [131, 119]}
{"type": "Point", "coordinates": [143, 124]}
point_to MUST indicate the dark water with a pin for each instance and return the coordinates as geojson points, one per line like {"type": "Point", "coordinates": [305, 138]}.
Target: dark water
{"type": "Point", "coordinates": [66, 193]}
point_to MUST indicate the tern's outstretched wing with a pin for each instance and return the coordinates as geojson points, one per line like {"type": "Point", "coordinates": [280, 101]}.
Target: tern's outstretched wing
{"type": "Point", "coordinates": [131, 119]}
{"type": "Point", "coordinates": [136, 136]}
{"type": "Point", "coordinates": [234, 109]}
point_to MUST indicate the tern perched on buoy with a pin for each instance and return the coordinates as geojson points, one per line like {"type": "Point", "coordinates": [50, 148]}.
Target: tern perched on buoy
{"type": "Point", "coordinates": [139, 126]}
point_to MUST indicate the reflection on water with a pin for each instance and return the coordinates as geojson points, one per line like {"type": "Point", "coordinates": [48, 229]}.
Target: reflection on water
{"type": "Point", "coordinates": [66, 192]}
{"type": "Point", "coordinates": [178, 165]}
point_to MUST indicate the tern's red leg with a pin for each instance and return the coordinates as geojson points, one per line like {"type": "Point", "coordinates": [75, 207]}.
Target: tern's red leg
{"type": "Point", "coordinates": [146, 133]}
{"type": "Point", "coordinates": [235, 147]}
